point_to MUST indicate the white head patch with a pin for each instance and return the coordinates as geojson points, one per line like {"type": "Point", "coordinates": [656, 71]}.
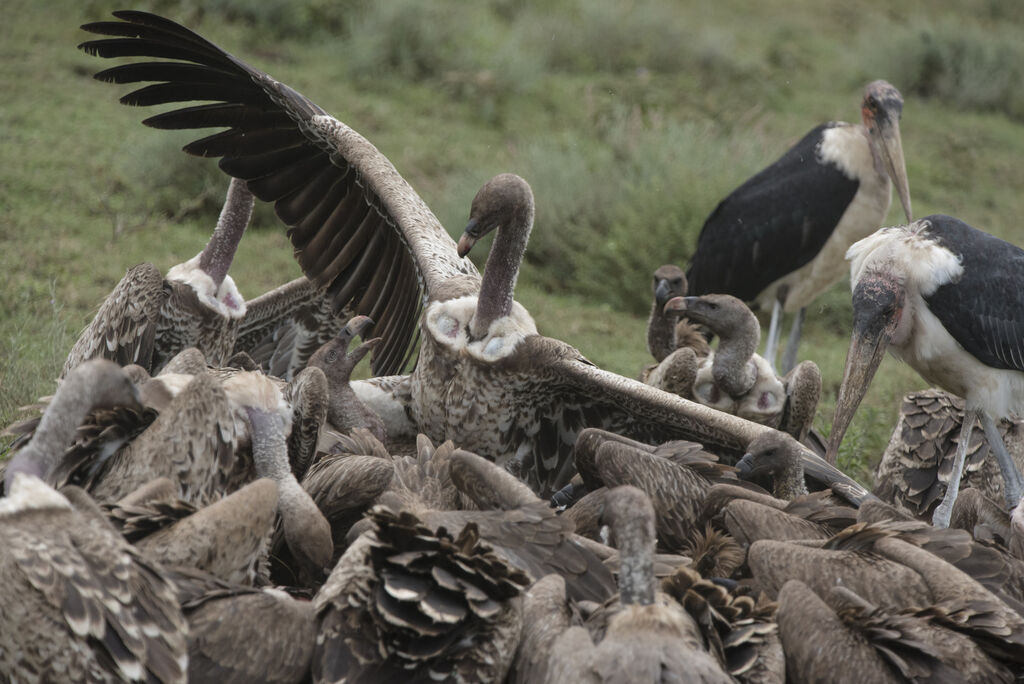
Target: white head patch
{"type": "Point", "coordinates": [909, 251]}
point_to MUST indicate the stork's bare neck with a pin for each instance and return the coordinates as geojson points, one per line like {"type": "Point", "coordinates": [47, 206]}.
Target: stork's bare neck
{"type": "Point", "coordinates": [216, 257]}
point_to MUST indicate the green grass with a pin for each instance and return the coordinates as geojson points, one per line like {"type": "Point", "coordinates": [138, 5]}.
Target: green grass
{"type": "Point", "coordinates": [631, 120]}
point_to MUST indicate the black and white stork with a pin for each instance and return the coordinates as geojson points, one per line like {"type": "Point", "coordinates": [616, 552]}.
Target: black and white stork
{"type": "Point", "coordinates": [778, 240]}
{"type": "Point", "coordinates": [947, 299]}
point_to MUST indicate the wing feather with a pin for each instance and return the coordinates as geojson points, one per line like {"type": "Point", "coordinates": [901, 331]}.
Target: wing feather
{"type": "Point", "coordinates": [124, 327]}
{"type": "Point", "coordinates": [345, 204]}
{"type": "Point", "coordinates": [568, 394]}
{"type": "Point", "coordinates": [984, 309]}
{"type": "Point", "coordinates": [773, 224]}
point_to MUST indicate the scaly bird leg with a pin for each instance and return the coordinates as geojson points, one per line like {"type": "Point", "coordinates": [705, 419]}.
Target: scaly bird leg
{"type": "Point", "coordinates": [771, 347]}
{"type": "Point", "coordinates": [1013, 483]}
{"type": "Point", "coordinates": [793, 343]}
{"type": "Point", "coordinates": [944, 511]}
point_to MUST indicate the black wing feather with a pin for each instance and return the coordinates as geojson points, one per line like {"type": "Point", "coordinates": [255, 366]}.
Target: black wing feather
{"type": "Point", "coordinates": [771, 225]}
{"type": "Point", "coordinates": [984, 309]}
{"type": "Point", "coordinates": [270, 141]}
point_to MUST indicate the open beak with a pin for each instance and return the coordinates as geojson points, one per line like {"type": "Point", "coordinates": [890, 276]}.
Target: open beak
{"type": "Point", "coordinates": [862, 360]}
{"type": "Point", "coordinates": [675, 304]}
{"type": "Point", "coordinates": [358, 325]}
{"type": "Point", "coordinates": [362, 350]}
{"type": "Point", "coordinates": [887, 136]}
{"type": "Point", "coordinates": [467, 240]}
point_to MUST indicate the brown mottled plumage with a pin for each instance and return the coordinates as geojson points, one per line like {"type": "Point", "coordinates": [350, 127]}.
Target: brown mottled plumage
{"type": "Point", "coordinates": [80, 603]}
{"type": "Point", "coordinates": [918, 460]}
{"type": "Point", "coordinates": [365, 240]}
{"type": "Point", "coordinates": [735, 379]}
{"type": "Point", "coordinates": [738, 628]}
{"type": "Point", "coordinates": [870, 643]}
{"type": "Point", "coordinates": [343, 487]}
{"type": "Point", "coordinates": [666, 332]}
{"type": "Point", "coordinates": [227, 538]}
{"type": "Point", "coordinates": [94, 385]}
{"type": "Point", "coordinates": [520, 527]}
{"type": "Point", "coordinates": [676, 490]}
{"type": "Point", "coordinates": [809, 627]}
{"type": "Point", "coordinates": [643, 635]}
{"type": "Point", "coordinates": [309, 396]}
{"type": "Point", "coordinates": [872, 561]}
{"type": "Point", "coordinates": [409, 603]}
{"type": "Point", "coordinates": [148, 318]}
{"type": "Point", "coordinates": [283, 327]}
{"type": "Point", "coordinates": [776, 456]}
{"type": "Point", "coordinates": [244, 634]}
{"type": "Point", "coordinates": [521, 398]}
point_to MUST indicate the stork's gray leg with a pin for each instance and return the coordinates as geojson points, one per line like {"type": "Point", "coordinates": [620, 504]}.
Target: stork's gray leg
{"type": "Point", "coordinates": [793, 343]}
{"type": "Point", "coordinates": [771, 347]}
{"type": "Point", "coordinates": [944, 511]}
{"type": "Point", "coordinates": [1013, 483]}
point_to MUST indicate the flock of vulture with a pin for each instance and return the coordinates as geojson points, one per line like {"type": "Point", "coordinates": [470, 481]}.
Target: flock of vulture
{"type": "Point", "coordinates": [209, 496]}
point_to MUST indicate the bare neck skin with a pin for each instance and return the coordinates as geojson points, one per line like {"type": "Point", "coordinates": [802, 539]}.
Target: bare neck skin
{"type": "Point", "coordinates": [93, 384]}
{"type": "Point", "coordinates": [345, 410]}
{"type": "Point", "coordinates": [661, 332]}
{"type": "Point", "coordinates": [630, 515]}
{"type": "Point", "coordinates": [499, 280]}
{"type": "Point", "coordinates": [216, 257]}
{"type": "Point", "coordinates": [789, 479]}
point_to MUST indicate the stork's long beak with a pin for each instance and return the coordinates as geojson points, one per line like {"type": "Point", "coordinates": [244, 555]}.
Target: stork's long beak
{"type": "Point", "coordinates": [867, 347]}
{"type": "Point", "coordinates": [887, 137]}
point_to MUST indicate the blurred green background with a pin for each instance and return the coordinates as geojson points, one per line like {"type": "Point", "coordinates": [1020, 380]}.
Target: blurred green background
{"type": "Point", "coordinates": [631, 120]}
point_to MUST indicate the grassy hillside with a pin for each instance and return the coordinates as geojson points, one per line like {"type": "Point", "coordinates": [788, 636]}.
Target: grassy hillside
{"type": "Point", "coordinates": [630, 120]}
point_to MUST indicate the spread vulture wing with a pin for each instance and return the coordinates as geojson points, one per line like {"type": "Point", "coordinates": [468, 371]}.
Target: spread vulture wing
{"type": "Point", "coordinates": [569, 393]}
{"type": "Point", "coordinates": [124, 327]}
{"type": "Point", "coordinates": [360, 232]}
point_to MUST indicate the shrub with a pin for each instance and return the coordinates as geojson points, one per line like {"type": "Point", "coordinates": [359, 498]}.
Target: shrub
{"type": "Point", "coordinates": [967, 67]}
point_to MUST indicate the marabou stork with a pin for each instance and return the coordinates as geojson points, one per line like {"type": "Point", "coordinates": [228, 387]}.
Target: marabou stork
{"type": "Point", "coordinates": [947, 299]}
{"type": "Point", "coordinates": [779, 239]}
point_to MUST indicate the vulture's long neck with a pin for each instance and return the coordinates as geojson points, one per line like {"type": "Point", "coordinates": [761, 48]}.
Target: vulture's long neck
{"type": "Point", "coordinates": [499, 281]}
